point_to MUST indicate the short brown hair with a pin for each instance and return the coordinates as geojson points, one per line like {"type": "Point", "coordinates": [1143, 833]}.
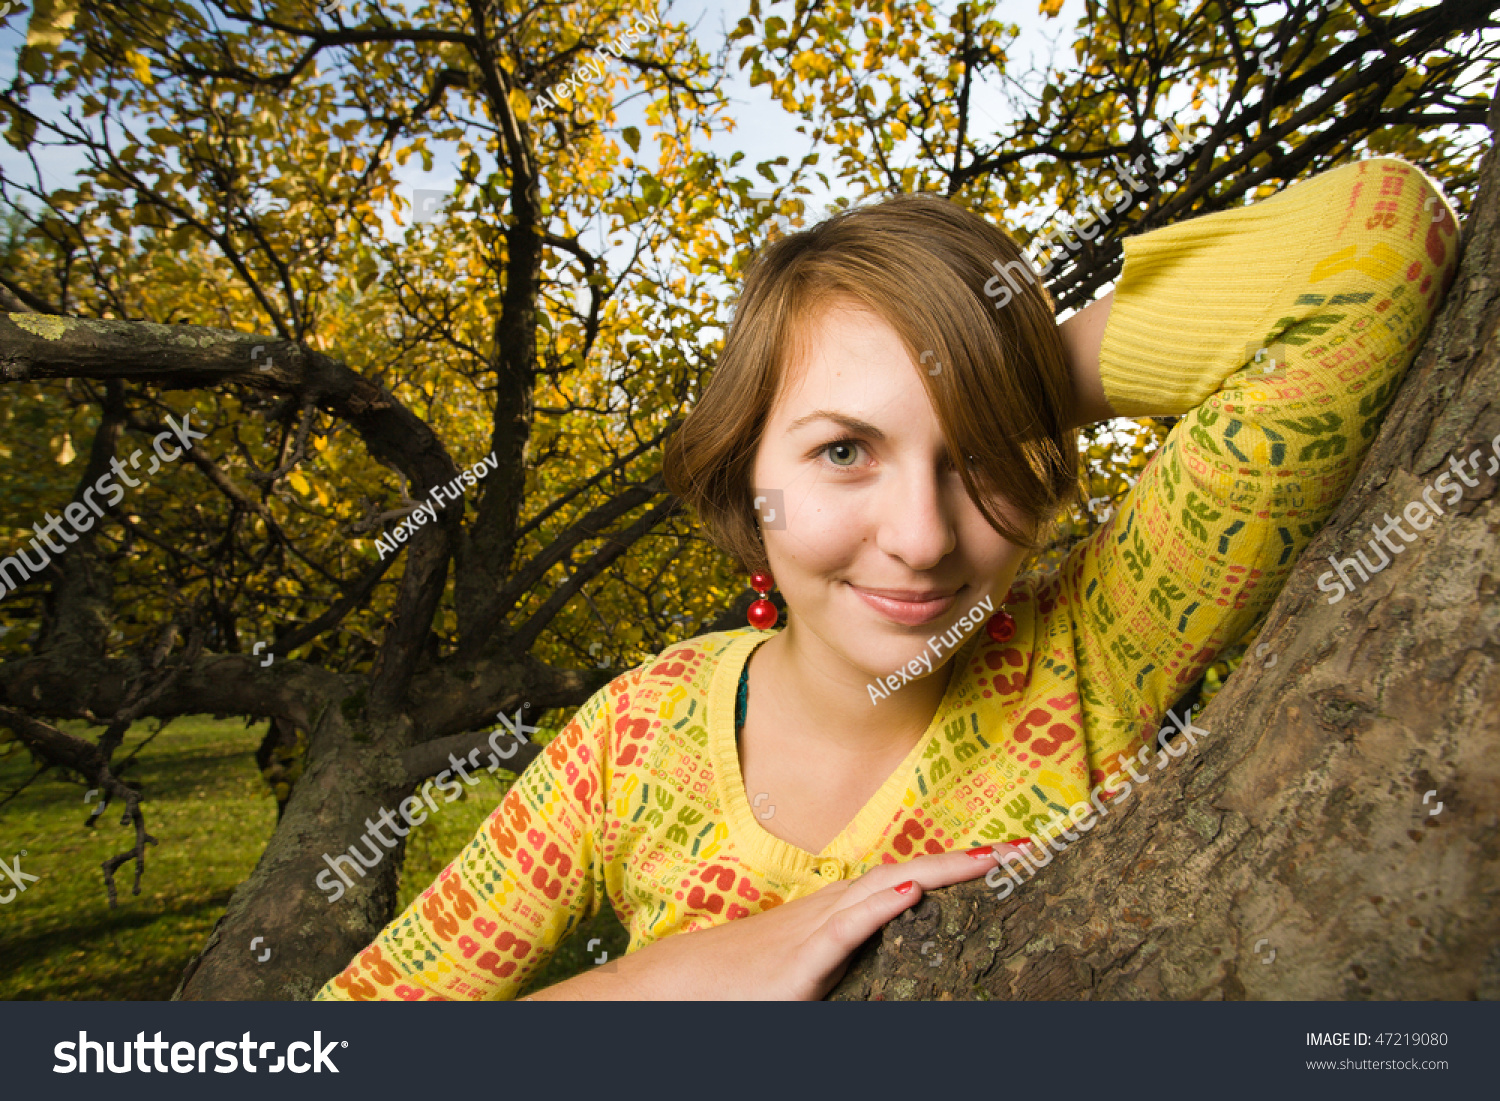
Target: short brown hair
{"type": "Point", "coordinates": [1002, 396]}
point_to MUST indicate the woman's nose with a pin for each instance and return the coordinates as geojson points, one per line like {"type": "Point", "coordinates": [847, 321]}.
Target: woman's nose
{"type": "Point", "coordinates": [916, 520]}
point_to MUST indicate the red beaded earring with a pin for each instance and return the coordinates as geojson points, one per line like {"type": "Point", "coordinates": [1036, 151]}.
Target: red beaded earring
{"type": "Point", "coordinates": [1001, 627]}
{"type": "Point", "coordinates": [762, 612]}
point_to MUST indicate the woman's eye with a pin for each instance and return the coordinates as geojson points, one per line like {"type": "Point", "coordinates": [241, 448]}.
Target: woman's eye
{"type": "Point", "coordinates": [977, 473]}
{"type": "Point", "coordinates": [842, 452]}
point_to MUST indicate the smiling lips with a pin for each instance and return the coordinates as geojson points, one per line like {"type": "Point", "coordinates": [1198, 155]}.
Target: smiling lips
{"type": "Point", "coordinates": [908, 607]}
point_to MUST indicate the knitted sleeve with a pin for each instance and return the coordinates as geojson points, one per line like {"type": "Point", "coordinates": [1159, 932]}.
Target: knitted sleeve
{"type": "Point", "coordinates": [1280, 333]}
{"type": "Point", "coordinates": [529, 876]}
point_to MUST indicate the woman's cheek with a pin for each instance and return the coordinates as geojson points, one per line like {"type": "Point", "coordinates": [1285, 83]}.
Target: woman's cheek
{"type": "Point", "coordinates": [825, 523]}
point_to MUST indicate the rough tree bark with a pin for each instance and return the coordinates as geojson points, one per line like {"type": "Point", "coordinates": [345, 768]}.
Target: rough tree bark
{"type": "Point", "coordinates": [1337, 834]}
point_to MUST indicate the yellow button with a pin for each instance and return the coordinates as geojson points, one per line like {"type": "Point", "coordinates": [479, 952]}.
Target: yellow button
{"type": "Point", "coordinates": [831, 869]}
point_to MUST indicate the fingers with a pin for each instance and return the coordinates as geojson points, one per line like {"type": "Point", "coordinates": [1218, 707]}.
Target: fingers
{"type": "Point", "coordinates": [937, 870]}
{"type": "Point", "coordinates": [827, 951]}
{"type": "Point", "coordinates": [884, 892]}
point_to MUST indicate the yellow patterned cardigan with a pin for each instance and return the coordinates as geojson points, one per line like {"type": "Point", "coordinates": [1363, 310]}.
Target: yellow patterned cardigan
{"type": "Point", "coordinates": [640, 797]}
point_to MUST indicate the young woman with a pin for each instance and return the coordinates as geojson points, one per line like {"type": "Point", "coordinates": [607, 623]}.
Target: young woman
{"type": "Point", "coordinates": [891, 427]}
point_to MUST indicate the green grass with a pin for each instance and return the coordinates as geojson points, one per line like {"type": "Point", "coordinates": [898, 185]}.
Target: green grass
{"type": "Point", "coordinates": [211, 814]}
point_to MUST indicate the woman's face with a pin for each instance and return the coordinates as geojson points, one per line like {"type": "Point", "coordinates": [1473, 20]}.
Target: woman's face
{"type": "Point", "coordinates": [881, 547]}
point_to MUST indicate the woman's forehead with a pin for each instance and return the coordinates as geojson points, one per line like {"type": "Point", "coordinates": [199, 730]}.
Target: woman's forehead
{"type": "Point", "coordinates": [850, 359]}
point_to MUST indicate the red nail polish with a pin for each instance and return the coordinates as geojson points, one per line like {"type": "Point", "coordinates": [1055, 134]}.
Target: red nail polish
{"type": "Point", "coordinates": [981, 851]}
{"type": "Point", "coordinates": [1021, 841]}
{"type": "Point", "coordinates": [904, 888]}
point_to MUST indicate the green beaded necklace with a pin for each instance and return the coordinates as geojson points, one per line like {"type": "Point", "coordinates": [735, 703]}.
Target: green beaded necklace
{"type": "Point", "coordinates": [741, 700]}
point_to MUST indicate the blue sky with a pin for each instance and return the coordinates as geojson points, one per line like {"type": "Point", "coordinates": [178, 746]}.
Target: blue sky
{"type": "Point", "coordinates": [763, 129]}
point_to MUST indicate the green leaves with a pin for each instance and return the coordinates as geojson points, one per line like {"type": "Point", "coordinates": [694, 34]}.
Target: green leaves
{"type": "Point", "coordinates": [50, 22]}
{"type": "Point", "coordinates": [764, 169]}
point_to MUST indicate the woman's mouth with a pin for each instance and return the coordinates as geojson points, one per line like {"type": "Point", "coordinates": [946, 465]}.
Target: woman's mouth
{"type": "Point", "coordinates": [908, 607]}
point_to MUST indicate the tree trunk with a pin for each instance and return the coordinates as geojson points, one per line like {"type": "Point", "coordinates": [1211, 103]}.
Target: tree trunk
{"type": "Point", "coordinates": [347, 781]}
{"type": "Point", "coordinates": [360, 762]}
{"type": "Point", "coordinates": [1335, 835]}
{"type": "Point", "coordinates": [276, 757]}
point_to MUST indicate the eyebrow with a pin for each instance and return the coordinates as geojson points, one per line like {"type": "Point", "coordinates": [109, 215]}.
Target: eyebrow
{"type": "Point", "coordinates": [853, 424]}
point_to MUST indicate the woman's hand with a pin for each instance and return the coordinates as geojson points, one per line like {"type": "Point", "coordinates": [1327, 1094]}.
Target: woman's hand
{"type": "Point", "coordinates": [796, 951]}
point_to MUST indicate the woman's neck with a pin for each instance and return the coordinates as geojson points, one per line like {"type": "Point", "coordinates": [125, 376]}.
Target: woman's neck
{"type": "Point", "coordinates": [806, 687]}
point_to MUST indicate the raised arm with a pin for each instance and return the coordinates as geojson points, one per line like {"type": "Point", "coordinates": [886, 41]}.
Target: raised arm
{"type": "Point", "coordinates": [1279, 332]}
{"type": "Point", "coordinates": [1082, 337]}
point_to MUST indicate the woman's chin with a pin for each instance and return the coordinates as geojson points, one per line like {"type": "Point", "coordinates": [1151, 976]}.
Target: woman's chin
{"type": "Point", "coordinates": [902, 665]}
